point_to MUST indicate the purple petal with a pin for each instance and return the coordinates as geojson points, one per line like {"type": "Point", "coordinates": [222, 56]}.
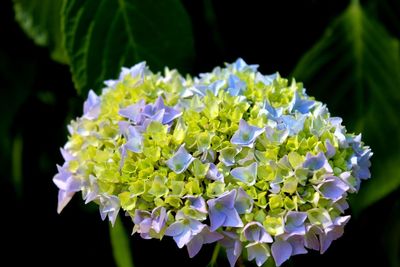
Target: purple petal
{"type": "Point", "coordinates": [91, 107]}
{"type": "Point", "coordinates": [217, 218]}
{"type": "Point", "coordinates": [183, 238]}
{"type": "Point", "coordinates": [66, 155]}
{"type": "Point", "coordinates": [297, 243]}
{"type": "Point", "coordinates": [333, 188]}
{"type": "Point", "coordinates": [317, 162]}
{"type": "Point", "coordinates": [170, 115]}
{"type": "Point", "coordinates": [63, 199]}
{"type": "Point", "coordinates": [227, 199]}
{"type": "Point", "coordinates": [214, 174]}
{"type": "Point", "coordinates": [197, 203]}
{"type": "Point", "coordinates": [210, 237]}
{"type": "Point", "coordinates": [159, 216]}
{"type": "Point", "coordinates": [232, 245]}
{"type": "Point", "coordinates": [281, 251]}
{"type": "Point", "coordinates": [175, 229]}
{"type": "Point", "coordinates": [196, 226]}
{"type": "Point", "coordinates": [140, 215]}
{"type": "Point", "coordinates": [180, 161]}
{"type": "Point", "coordinates": [246, 134]}
{"type": "Point", "coordinates": [330, 149]}
{"type": "Point", "coordinates": [133, 112]}
{"type": "Point", "coordinates": [194, 245]}
{"type": "Point", "coordinates": [232, 218]}
{"type": "Point", "coordinates": [109, 206]}
{"type": "Point", "coordinates": [204, 237]}
{"type": "Point", "coordinates": [247, 175]}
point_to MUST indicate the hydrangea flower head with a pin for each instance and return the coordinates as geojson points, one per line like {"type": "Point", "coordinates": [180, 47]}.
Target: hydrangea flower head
{"type": "Point", "coordinates": [232, 156]}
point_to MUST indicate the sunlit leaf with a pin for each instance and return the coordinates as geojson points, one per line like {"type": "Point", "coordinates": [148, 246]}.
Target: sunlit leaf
{"type": "Point", "coordinates": [120, 245]}
{"type": "Point", "coordinates": [40, 19]}
{"type": "Point", "coordinates": [104, 35]}
{"type": "Point", "coordinates": [355, 69]}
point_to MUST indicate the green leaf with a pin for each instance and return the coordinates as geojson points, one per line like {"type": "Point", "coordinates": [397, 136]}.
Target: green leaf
{"type": "Point", "coordinates": [40, 20]}
{"type": "Point", "coordinates": [120, 245]}
{"type": "Point", "coordinates": [388, 12]}
{"type": "Point", "coordinates": [355, 68]}
{"type": "Point", "coordinates": [101, 36]}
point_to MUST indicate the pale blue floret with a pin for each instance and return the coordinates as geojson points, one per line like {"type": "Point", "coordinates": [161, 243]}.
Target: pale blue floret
{"type": "Point", "coordinates": [204, 237]}
{"type": "Point", "coordinates": [246, 134]}
{"type": "Point", "coordinates": [180, 161]}
{"type": "Point", "coordinates": [265, 79]}
{"type": "Point", "coordinates": [232, 245]}
{"type": "Point", "coordinates": [133, 112]}
{"type": "Point", "coordinates": [317, 162]}
{"type": "Point", "coordinates": [243, 202]}
{"type": "Point", "coordinates": [184, 229]}
{"type": "Point", "coordinates": [241, 65]}
{"type": "Point", "coordinates": [333, 188]}
{"type": "Point", "coordinates": [271, 112]}
{"type": "Point", "coordinates": [247, 174]}
{"type": "Point", "coordinates": [214, 174]}
{"type": "Point", "coordinates": [235, 85]}
{"type": "Point", "coordinates": [91, 107]}
{"type": "Point", "coordinates": [222, 211]}
{"type": "Point", "coordinates": [302, 105]}
{"type": "Point", "coordinates": [159, 112]}
{"type": "Point", "coordinates": [292, 124]}
{"type": "Point", "coordinates": [255, 232]}
{"type": "Point", "coordinates": [145, 221]}
{"type": "Point", "coordinates": [294, 223]}
{"type": "Point", "coordinates": [109, 206]}
{"type": "Point", "coordinates": [281, 251]}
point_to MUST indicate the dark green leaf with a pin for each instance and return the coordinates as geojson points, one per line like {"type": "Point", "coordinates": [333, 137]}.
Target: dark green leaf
{"type": "Point", "coordinates": [40, 19]}
{"type": "Point", "coordinates": [355, 69]}
{"type": "Point", "coordinates": [388, 11]}
{"type": "Point", "coordinates": [120, 245]}
{"type": "Point", "coordinates": [104, 35]}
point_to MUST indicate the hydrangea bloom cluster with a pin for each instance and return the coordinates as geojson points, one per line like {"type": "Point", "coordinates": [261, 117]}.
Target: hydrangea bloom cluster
{"type": "Point", "coordinates": [233, 156]}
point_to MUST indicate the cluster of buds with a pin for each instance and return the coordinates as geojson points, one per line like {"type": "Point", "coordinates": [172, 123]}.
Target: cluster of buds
{"type": "Point", "coordinates": [233, 156]}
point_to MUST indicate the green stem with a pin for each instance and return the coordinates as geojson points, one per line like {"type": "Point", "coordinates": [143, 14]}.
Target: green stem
{"type": "Point", "coordinates": [215, 255]}
{"type": "Point", "coordinates": [17, 164]}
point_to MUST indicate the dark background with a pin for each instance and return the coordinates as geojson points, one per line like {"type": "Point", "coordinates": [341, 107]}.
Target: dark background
{"type": "Point", "coordinates": [41, 94]}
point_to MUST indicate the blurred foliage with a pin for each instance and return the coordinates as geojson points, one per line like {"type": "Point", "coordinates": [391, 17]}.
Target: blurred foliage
{"type": "Point", "coordinates": [347, 53]}
{"type": "Point", "coordinates": [40, 19]}
{"type": "Point", "coordinates": [102, 36]}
